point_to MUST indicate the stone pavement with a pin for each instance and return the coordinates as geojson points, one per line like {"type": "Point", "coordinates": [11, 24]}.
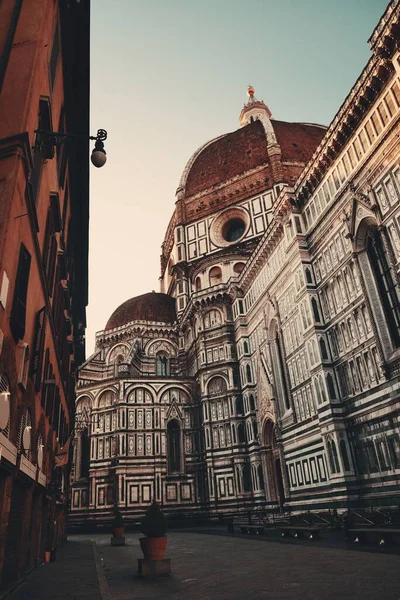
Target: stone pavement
{"type": "Point", "coordinates": [72, 576]}
{"type": "Point", "coordinates": [215, 567]}
{"type": "Point", "coordinates": [210, 567]}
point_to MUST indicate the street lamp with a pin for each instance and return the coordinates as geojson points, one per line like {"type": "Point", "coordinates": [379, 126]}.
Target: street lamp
{"type": "Point", "coordinates": [52, 139]}
{"type": "Point", "coordinates": [99, 155]}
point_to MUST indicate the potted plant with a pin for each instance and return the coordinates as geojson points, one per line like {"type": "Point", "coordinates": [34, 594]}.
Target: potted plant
{"type": "Point", "coordinates": [118, 524]}
{"type": "Point", "coordinates": [154, 527]}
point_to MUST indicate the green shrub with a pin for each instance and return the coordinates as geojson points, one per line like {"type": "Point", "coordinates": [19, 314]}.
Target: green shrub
{"type": "Point", "coordinates": [154, 523]}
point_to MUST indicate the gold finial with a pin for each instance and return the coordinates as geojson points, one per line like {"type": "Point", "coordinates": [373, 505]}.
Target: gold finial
{"type": "Point", "coordinates": [250, 90]}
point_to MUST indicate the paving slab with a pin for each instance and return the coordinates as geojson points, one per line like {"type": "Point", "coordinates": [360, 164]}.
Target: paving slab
{"type": "Point", "coordinates": [209, 567]}
{"type": "Point", "coordinates": [73, 576]}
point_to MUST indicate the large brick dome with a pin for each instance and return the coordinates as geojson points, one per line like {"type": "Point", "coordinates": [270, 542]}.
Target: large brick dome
{"type": "Point", "coordinates": [239, 152]}
{"type": "Point", "coordinates": [147, 307]}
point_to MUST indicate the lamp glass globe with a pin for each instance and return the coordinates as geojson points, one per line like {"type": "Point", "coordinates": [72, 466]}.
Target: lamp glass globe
{"type": "Point", "coordinates": [98, 158]}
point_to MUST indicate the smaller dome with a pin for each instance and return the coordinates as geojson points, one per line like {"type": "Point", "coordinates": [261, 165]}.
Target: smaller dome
{"type": "Point", "coordinates": [147, 307]}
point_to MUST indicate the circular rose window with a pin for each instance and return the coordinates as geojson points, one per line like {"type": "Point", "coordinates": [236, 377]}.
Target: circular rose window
{"type": "Point", "coordinates": [233, 230]}
{"type": "Point", "coordinates": [230, 226]}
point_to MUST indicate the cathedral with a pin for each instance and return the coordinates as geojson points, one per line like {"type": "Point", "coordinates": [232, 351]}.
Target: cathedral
{"type": "Point", "coordinates": [266, 371]}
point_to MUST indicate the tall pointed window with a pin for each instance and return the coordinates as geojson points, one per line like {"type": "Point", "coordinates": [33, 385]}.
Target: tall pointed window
{"type": "Point", "coordinates": [162, 364]}
{"type": "Point", "coordinates": [247, 487]}
{"type": "Point", "coordinates": [174, 447]}
{"type": "Point", "coordinates": [277, 360]}
{"type": "Point", "coordinates": [385, 283]}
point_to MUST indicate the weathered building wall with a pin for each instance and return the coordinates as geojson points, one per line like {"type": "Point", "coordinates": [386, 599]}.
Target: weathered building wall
{"type": "Point", "coordinates": [39, 329]}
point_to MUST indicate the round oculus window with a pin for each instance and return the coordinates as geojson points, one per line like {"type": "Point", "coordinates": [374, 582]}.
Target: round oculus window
{"type": "Point", "coordinates": [229, 227]}
{"type": "Point", "coordinates": [233, 230]}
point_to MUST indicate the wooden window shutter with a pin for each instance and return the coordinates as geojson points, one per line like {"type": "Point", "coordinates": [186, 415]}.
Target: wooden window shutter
{"type": "Point", "coordinates": [38, 349]}
{"type": "Point", "coordinates": [18, 311]}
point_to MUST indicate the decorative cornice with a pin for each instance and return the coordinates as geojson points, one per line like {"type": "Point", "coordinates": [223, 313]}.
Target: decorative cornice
{"type": "Point", "coordinates": [377, 72]}
{"type": "Point", "coordinates": [134, 329]}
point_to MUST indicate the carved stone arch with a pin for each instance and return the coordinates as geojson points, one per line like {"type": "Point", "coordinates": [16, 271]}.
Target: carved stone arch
{"type": "Point", "coordinates": [83, 407]}
{"type": "Point", "coordinates": [102, 401]}
{"type": "Point", "coordinates": [273, 328]}
{"type": "Point", "coordinates": [134, 394]}
{"type": "Point", "coordinates": [83, 396]}
{"type": "Point", "coordinates": [212, 316]}
{"type": "Point", "coordinates": [362, 228]}
{"type": "Point", "coordinates": [174, 388]}
{"type": "Point", "coordinates": [273, 463]}
{"type": "Point", "coordinates": [143, 385]}
{"type": "Point", "coordinates": [215, 376]}
{"type": "Point", "coordinates": [160, 345]}
{"type": "Point", "coordinates": [119, 349]}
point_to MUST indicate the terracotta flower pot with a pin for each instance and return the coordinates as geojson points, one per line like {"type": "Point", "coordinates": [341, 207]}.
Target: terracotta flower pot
{"type": "Point", "coordinates": [118, 532]}
{"type": "Point", "coordinates": [47, 556]}
{"type": "Point", "coordinates": [153, 548]}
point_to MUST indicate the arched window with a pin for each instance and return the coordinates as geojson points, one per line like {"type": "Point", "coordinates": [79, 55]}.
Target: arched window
{"type": "Point", "coordinates": [238, 479]}
{"type": "Point", "coordinates": [315, 309]}
{"type": "Point", "coordinates": [238, 267]}
{"type": "Point", "coordinates": [217, 386]}
{"type": "Point", "coordinates": [324, 352]}
{"type": "Point", "coordinates": [344, 455]}
{"type": "Point", "coordinates": [335, 457]}
{"type": "Point", "coordinates": [331, 387]}
{"type": "Point", "coordinates": [251, 402]}
{"type": "Point", "coordinates": [248, 373]}
{"type": "Point", "coordinates": [260, 477]}
{"type": "Point", "coordinates": [330, 456]}
{"type": "Point", "coordinates": [372, 458]}
{"type": "Point", "coordinates": [212, 318]}
{"type": "Point", "coordinates": [215, 275]}
{"type": "Point", "coordinates": [279, 372]}
{"type": "Point", "coordinates": [308, 276]}
{"type": "Point", "coordinates": [385, 283]}
{"type": "Point", "coordinates": [174, 447]}
{"type": "Point", "coordinates": [323, 396]}
{"type": "Point", "coordinates": [245, 347]}
{"type": "Point", "coordinates": [241, 434]}
{"type": "Point", "coordinates": [311, 353]}
{"type": "Point", "coordinates": [317, 390]}
{"type": "Point", "coordinates": [247, 478]}
{"type": "Point", "coordinates": [239, 405]}
{"type": "Point", "coordinates": [198, 284]}
{"type": "Point", "coordinates": [162, 364]}
{"type": "Point", "coordinates": [106, 399]}
{"type": "Point", "coordinates": [255, 430]}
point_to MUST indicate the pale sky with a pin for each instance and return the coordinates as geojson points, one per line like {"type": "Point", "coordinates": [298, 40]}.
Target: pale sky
{"type": "Point", "coordinates": [168, 75]}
